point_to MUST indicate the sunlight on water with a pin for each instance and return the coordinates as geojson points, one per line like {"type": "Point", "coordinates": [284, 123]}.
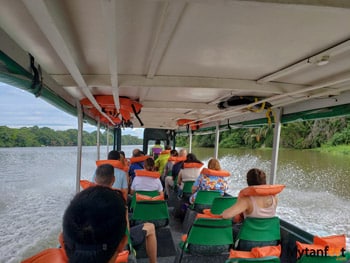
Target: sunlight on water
{"type": "Point", "coordinates": [36, 184]}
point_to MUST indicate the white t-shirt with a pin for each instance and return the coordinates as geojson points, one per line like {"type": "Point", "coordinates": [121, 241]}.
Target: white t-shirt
{"type": "Point", "coordinates": [144, 183]}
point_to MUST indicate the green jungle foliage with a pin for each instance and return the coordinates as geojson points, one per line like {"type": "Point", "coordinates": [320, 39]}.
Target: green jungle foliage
{"type": "Point", "coordinates": [297, 135]}
{"type": "Point", "coordinates": [35, 136]}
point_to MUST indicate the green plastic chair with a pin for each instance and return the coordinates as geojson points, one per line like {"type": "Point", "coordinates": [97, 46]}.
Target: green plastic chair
{"type": "Point", "coordinates": [254, 260]}
{"type": "Point", "coordinates": [204, 200]}
{"type": "Point", "coordinates": [208, 236]}
{"type": "Point", "coordinates": [149, 193]}
{"type": "Point", "coordinates": [187, 189]}
{"type": "Point", "coordinates": [155, 212]}
{"type": "Point", "coordinates": [222, 203]}
{"type": "Point", "coordinates": [258, 232]}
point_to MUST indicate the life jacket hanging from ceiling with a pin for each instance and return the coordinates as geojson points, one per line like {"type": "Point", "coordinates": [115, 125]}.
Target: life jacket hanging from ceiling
{"type": "Point", "coordinates": [190, 124]}
{"type": "Point", "coordinates": [122, 117]}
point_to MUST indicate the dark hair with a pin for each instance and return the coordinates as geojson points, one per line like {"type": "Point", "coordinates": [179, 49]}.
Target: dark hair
{"type": "Point", "coordinates": [167, 147]}
{"type": "Point", "coordinates": [174, 153]}
{"type": "Point", "coordinates": [104, 174]}
{"type": "Point", "coordinates": [256, 177]}
{"type": "Point", "coordinates": [122, 153]}
{"type": "Point", "coordinates": [191, 158]}
{"type": "Point", "coordinates": [113, 155]}
{"type": "Point", "coordinates": [94, 224]}
{"type": "Point", "coordinates": [149, 164]}
{"type": "Point", "coordinates": [157, 142]}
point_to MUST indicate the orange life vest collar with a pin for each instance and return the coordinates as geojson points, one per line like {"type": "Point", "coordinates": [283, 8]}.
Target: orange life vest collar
{"type": "Point", "coordinates": [165, 152]}
{"type": "Point", "coordinates": [86, 184]}
{"type": "Point", "coordinates": [147, 173]}
{"type": "Point", "coordinates": [115, 163]}
{"type": "Point", "coordinates": [193, 165]}
{"type": "Point", "coordinates": [262, 190]}
{"type": "Point", "coordinates": [212, 172]}
{"type": "Point", "coordinates": [139, 159]}
{"type": "Point", "coordinates": [177, 159]}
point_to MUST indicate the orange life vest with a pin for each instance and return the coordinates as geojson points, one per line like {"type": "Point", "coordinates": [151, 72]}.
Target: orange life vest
{"type": "Point", "coordinates": [115, 163]}
{"type": "Point", "coordinates": [257, 252]}
{"type": "Point", "coordinates": [86, 184]}
{"type": "Point", "coordinates": [212, 172]}
{"type": "Point", "coordinates": [123, 116]}
{"type": "Point", "coordinates": [177, 159]}
{"type": "Point", "coordinates": [147, 173]}
{"type": "Point", "coordinates": [265, 189]}
{"type": "Point", "coordinates": [139, 159]}
{"type": "Point", "coordinates": [141, 197]}
{"type": "Point", "coordinates": [194, 125]}
{"type": "Point", "coordinates": [193, 165]}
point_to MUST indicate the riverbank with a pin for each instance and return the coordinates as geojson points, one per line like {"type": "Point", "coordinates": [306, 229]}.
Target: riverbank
{"type": "Point", "coordinates": [336, 150]}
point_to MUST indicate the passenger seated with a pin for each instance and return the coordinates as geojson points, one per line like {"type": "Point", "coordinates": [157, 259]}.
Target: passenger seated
{"type": "Point", "coordinates": [94, 226]}
{"type": "Point", "coordinates": [210, 179]}
{"type": "Point", "coordinates": [261, 204]}
{"type": "Point", "coordinates": [140, 233]}
{"type": "Point", "coordinates": [190, 170]}
{"type": "Point", "coordinates": [120, 172]}
{"type": "Point", "coordinates": [147, 179]}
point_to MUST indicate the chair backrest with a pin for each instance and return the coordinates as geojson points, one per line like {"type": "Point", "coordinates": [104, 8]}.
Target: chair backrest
{"type": "Point", "coordinates": [222, 203]}
{"type": "Point", "coordinates": [149, 193]}
{"type": "Point", "coordinates": [208, 237]}
{"type": "Point", "coordinates": [187, 189]}
{"type": "Point", "coordinates": [151, 211]}
{"type": "Point", "coordinates": [204, 199]}
{"type": "Point", "coordinates": [270, 259]}
{"type": "Point", "coordinates": [260, 229]}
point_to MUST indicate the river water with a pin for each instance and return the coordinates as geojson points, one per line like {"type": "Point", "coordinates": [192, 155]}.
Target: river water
{"type": "Point", "coordinates": [36, 184]}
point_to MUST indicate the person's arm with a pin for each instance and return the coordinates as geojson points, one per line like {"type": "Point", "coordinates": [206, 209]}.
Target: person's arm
{"type": "Point", "coordinates": [179, 177]}
{"type": "Point", "coordinates": [238, 208]}
{"type": "Point", "coordinates": [195, 185]}
{"type": "Point", "coordinates": [125, 193]}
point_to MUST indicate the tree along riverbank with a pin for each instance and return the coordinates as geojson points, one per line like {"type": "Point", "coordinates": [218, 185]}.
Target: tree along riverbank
{"type": "Point", "coordinates": [323, 134]}
{"type": "Point", "coordinates": [35, 136]}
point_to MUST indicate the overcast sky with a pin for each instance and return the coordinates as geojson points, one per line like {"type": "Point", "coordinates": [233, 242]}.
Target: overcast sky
{"type": "Point", "coordinates": [19, 108]}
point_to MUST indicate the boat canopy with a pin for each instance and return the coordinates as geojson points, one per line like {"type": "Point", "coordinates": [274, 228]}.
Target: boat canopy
{"type": "Point", "coordinates": [184, 64]}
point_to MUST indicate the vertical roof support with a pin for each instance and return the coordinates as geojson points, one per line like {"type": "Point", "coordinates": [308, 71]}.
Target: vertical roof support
{"type": "Point", "coordinates": [98, 139]}
{"type": "Point", "coordinates": [79, 146]}
{"type": "Point", "coordinates": [217, 141]}
{"type": "Point", "coordinates": [190, 147]}
{"type": "Point", "coordinates": [276, 142]}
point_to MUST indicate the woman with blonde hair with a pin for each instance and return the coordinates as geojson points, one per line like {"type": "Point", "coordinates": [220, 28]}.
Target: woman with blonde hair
{"type": "Point", "coordinates": [211, 179]}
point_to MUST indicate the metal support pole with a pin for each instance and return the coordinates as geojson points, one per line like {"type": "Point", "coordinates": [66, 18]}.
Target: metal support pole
{"type": "Point", "coordinates": [190, 148]}
{"type": "Point", "coordinates": [217, 140]}
{"type": "Point", "coordinates": [276, 142]}
{"type": "Point", "coordinates": [107, 140]}
{"type": "Point", "coordinates": [98, 139]}
{"type": "Point", "coordinates": [79, 146]}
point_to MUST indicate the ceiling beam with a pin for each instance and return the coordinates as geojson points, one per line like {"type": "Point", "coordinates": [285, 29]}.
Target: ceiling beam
{"type": "Point", "coordinates": [233, 85]}
{"type": "Point", "coordinates": [57, 34]}
{"type": "Point", "coordinates": [313, 60]}
{"type": "Point", "coordinates": [110, 18]}
{"type": "Point", "coordinates": [170, 17]}
{"type": "Point", "coordinates": [178, 105]}
{"type": "Point", "coordinates": [320, 3]}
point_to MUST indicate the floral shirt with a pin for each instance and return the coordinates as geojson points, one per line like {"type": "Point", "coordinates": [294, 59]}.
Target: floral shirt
{"type": "Point", "coordinates": [209, 182]}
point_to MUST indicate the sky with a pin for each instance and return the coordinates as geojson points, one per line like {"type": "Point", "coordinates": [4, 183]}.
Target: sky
{"type": "Point", "coordinates": [19, 108]}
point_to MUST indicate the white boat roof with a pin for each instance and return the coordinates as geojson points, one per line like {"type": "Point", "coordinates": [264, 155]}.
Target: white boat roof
{"type": "Point", "coordinates": [179, 59]}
